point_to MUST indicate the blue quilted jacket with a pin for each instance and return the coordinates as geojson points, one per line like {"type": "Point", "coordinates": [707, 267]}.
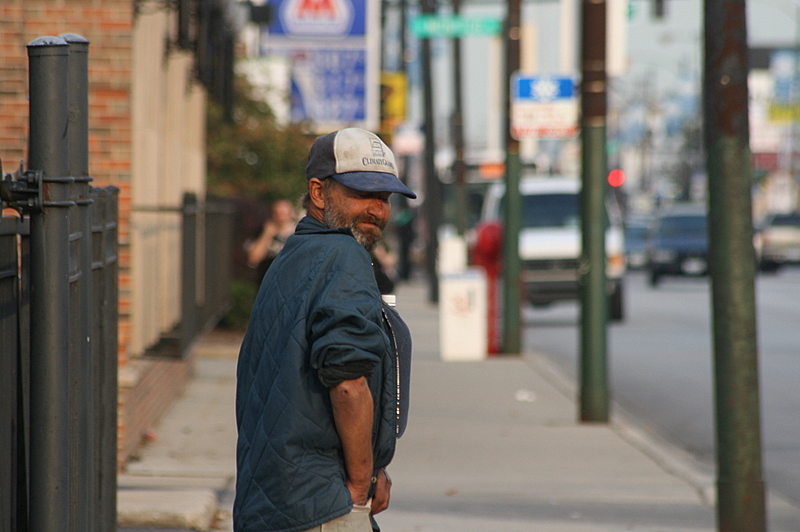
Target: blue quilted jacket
{"type": "Point", "coordinates": [317, 306]}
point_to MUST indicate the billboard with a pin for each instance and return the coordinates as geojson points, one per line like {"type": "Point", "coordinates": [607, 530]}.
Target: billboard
{"type": "Point", "coordinates": [333, 51]}
{"type": "Point", "coordinates": [319, 18]}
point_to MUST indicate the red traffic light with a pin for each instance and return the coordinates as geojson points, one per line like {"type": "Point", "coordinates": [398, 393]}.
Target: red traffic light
{"type": "Point", "coordinates": [616, 177]}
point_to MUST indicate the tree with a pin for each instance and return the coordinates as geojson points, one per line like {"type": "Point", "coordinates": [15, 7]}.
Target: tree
{"type": "Point", "coordinates": [254, 161]}
{"type": "Point", "coordinates": [251, 155]}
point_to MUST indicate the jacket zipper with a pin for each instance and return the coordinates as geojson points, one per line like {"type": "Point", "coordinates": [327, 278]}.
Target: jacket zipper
{"type": "Point", "coordinates": [396, 373]}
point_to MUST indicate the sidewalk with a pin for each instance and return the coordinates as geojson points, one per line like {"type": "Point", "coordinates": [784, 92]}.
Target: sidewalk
{"type": "Point", "coordinates": [490, 446]}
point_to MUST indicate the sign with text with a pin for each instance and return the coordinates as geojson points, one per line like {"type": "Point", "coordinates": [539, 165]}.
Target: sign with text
{"type": "Point", "coordinates": [328, 86]}
{"type": "Point", "coordinates": [454, 26]}
{"type": "Point", "coordinates": [543, 107]}
{"type": "Point", "coordinates": [318, 18]}
{"type": "Point", "coordinates": [334, 53]}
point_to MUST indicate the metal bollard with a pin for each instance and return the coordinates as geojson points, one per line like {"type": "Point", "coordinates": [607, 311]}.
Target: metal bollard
{"type": "Point", "coordinates": [83, 467]}
{"type": "Point", "coordinates": [49, 364]}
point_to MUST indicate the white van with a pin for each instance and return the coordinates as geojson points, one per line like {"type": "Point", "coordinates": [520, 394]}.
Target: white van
{"type": "Point", "coordinates": [550, 240]}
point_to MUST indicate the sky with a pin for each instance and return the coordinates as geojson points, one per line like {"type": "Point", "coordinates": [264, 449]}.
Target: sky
{"type": "Point", "coordinates": [665, 54]}
{"type": "Point", "coordinates": [664, 48]}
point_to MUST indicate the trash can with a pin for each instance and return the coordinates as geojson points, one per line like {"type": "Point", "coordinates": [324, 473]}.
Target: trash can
{"type": "Point", "coordinates": [462, 315]}
{"type": "Point", "coordinates": [452, 254]}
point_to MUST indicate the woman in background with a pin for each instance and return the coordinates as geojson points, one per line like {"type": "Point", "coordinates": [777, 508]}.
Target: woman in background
{"type": "Point", "coordinates": [276, 230]}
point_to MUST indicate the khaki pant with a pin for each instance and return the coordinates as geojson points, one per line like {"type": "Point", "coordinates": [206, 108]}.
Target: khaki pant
{"type": "Point", "coordinates": [356, 521]}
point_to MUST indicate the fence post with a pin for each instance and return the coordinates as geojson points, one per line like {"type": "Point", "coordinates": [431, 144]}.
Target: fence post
{"type": "Point", "coordinates": [216, 277]}
{"type": "Point", "coordinates": [189, 311]}
{"type": "Point", "coordinates": [49, 371]}
{"type": "Point", "coordinates": [12, 426]}
{"type": "Point", "coordinates": [83, 470]}
{"type": "Point", "coordinates": [8, 373]}
{"type": "Point", "coordinates": [219, 231]}
{"type": "Point", "coordinates": [104, 350]}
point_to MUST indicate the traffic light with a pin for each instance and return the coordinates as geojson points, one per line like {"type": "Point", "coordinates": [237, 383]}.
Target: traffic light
{"type": "Point", "coordinates": [616, 177]}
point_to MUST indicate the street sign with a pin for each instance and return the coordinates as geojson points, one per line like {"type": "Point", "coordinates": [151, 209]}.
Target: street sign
{"type": "Point", "coordinates": [543, 107]}
{"type": "Point", "coordinates": [454, 26]}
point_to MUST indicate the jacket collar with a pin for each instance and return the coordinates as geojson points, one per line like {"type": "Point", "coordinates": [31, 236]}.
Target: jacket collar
{"type": "Point", "coordinates": [310, 226]}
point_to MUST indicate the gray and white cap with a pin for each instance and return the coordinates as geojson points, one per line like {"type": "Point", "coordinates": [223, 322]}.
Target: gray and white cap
{"type": "Point", "coordinates": [357, 159]}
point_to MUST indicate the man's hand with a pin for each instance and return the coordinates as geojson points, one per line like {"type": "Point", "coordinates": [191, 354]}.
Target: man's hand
{"type": "Point", "coordinates": [380, 500]}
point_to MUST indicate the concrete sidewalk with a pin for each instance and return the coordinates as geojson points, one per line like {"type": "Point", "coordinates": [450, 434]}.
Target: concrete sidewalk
{"type": "Point", "coordinates": [490, 446]}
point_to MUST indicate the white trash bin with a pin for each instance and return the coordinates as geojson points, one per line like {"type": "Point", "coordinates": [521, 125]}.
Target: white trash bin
{"type": "Point", "coordinates": [463, 320]}
{"type": "Point", "coordinates": [452, 254]}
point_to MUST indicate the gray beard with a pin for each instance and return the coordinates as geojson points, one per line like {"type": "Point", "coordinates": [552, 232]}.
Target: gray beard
{"type": "Point", "coordinates": [335, 219]}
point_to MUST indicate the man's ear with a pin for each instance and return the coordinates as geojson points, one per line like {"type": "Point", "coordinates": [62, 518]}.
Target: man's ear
{"type": "Point", "coordinates": [315, 193]}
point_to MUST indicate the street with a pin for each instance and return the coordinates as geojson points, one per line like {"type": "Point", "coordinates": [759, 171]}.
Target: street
{"type": "Point", "coordinates": [661, 364]}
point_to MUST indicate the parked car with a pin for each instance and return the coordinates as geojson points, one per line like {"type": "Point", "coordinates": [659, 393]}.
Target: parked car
{"type": "Point", "coordinates": [678, 242]}
{"type": "Point", "coordinates": [777, 241]}
{"type": "Point", "coordinates": [550, 240]}
{"type": "Point", "coordinates": [636, 230]}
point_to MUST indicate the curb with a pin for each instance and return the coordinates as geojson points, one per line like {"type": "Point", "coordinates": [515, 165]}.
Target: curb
{"type": "Point", "coordinates": [179, 509]}
{"type": "Point", "coordinates": [672, 459]}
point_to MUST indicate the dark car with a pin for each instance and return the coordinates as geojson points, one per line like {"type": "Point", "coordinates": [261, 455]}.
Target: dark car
{"type": "Point", "coordinates": [678, 243]}
{"type": "Point", "coordinates": [636, 242]}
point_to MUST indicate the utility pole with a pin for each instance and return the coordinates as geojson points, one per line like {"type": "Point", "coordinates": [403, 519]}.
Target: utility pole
{"type": "Point", "coordinates": [513, 215]}
{"type": "Point", "coordinates": [459, 166]}
{"type": "Point", "coordinates": [740, 487]}
{"type": "Point", "coordinates": [405, 218]}
{"type": "Point", "coordinates": [433, 202]}
{"type": "Point", "coordinates": [594, 396]}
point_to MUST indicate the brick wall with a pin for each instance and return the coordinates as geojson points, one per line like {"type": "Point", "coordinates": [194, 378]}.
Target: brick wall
{"type": "Point", "coordinates": [108, 25]}
{"type": "Point", "coordinates": [13, 85]}
{"type": "Point", "coordinates": [147, 387]}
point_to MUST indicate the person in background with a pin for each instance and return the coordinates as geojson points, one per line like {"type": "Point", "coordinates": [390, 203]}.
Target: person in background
{"type": "Point", "coordinates": [324, 368]}
{"type": "Point", "coordinates": [277, 229]}
{"type": "Point", "coordinates": [383, 264]}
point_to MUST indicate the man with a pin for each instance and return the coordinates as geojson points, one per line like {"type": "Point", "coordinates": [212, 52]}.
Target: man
{"type": "Point", "coordinates": [321, 394]}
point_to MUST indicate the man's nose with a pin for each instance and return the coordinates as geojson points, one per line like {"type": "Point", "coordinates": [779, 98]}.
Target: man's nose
{"type": "Point", "coordinates": [378, 207]}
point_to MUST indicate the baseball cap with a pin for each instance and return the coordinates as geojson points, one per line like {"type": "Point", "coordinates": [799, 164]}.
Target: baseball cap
{"type": "Point", "coordinates": [357, 159]}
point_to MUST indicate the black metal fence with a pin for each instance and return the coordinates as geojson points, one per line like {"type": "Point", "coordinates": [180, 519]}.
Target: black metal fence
{"type": "Point", "coordinates": [58, 313]}
{"type": "Point", "coordinates": [58, 308]}
{"type": "Point", "coordinates": [58, 395]}
{"type": "Point", "coordinates": [14, 371]}
{"type": "Point", "coordinates": [206, 242]}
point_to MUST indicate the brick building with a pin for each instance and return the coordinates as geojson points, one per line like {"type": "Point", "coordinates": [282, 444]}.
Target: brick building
{"type": "Point", "coordinates": [152, 66]}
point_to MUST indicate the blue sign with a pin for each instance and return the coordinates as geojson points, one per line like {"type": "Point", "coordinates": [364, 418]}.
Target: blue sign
{"type": "Point", "coordinates": [543, 107]}
{"type": "Point", "coordinates": [319, 18]}
{"type": "Point", "coordinates": [329, 86]}
{"type": "Point", "coordinates": [333, 51]}
{"type": "Point", "coordinates": [783, 66]}
{"type": "Point", "coordinates": [542, 88]}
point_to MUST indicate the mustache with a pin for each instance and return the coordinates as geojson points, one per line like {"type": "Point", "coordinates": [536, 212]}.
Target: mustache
{"type": "Point", "coordinates": [366, 218]}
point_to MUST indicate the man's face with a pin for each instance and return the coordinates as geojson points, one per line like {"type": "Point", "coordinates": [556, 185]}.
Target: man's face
{"type": "Point", "coordinates": [365, 213]}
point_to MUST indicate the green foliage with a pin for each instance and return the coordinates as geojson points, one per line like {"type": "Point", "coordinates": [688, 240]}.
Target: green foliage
{"type": "Point", "coordinates": [252, 156]}
{"type": "Point", "coordinates": [243, 295]}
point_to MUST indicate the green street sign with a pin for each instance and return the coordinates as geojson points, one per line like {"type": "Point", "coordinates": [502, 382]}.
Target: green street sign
{"type": "Point", "coordinates": [454, 26]}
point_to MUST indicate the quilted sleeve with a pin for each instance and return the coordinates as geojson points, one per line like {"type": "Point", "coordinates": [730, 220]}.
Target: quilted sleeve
{"type": "Point", "coordinates": [345, 319]}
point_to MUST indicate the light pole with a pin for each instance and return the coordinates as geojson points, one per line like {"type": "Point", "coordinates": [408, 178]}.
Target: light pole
{"type": "Point", "coordinates": [741, 505]}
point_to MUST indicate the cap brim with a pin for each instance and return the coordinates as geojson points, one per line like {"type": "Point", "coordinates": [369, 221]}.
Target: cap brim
{"type": "Point", "coordinates": [373, 182]}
